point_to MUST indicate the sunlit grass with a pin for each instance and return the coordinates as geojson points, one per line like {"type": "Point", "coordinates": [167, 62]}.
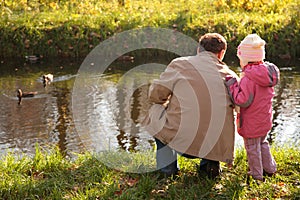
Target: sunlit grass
{"type": "Point", "coordinates": [48, 175]}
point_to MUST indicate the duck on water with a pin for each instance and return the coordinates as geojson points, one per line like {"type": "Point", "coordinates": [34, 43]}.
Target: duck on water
{"type": "Point", "coordinates": [21, 94]}
{"type": "Point", "coordinates": [47, 79]}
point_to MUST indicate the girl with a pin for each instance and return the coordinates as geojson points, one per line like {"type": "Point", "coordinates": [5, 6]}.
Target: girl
{"type": "Point", "coordinates": [253, 93]}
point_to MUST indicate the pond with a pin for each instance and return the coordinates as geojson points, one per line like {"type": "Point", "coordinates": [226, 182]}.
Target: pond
{"type": "Point", "coordinates": [108, 111]}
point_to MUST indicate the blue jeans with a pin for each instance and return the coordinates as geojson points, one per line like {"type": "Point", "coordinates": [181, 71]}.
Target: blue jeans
{"type": "Point", "coordinates": [166, 159]}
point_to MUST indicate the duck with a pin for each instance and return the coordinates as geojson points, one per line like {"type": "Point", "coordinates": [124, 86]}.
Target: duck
{"type": "Point", "coordinates": [21, 94]}
{"type": "Point", "coordinates": [47, 79]}
{"type": "Point", "coordinates": [126, 58]}
{"type": "Point", "coordinates": [33, 58]}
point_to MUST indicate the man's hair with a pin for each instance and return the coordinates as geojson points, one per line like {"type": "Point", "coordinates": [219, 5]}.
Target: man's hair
{"type": "Point", "coordinates": [213, 42]}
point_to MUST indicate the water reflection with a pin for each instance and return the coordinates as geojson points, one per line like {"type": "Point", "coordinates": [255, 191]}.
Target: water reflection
{"type": "Point", "coordinates": [45, 118]}
{"type": "Point", "coordinates": [109, 108]}
{"type": "Point", "coordinates": [286, 123]}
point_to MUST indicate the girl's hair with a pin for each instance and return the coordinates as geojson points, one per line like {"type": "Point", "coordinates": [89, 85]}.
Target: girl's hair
{"type": "Point", "coordinates": [213, 42]}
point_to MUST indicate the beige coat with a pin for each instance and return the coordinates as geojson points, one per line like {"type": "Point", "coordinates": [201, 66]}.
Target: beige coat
{"type": "Point", "coordinates": [192, 111]}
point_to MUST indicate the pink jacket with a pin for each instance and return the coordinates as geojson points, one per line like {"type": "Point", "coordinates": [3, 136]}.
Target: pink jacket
{"type": "Point", "coordinates": [254, 95]}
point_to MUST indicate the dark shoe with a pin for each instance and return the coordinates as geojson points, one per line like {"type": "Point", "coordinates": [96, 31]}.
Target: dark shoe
{"type": "Point", "coordinates": [163, 175]}
{"type": "Point", "coordinates": [211, 170]}
{"type": "Point", "coordinates": [268, 174]}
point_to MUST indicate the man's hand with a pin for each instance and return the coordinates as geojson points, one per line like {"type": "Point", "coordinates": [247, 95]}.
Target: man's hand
{"type": "Point", "coordinates": [167, 101]}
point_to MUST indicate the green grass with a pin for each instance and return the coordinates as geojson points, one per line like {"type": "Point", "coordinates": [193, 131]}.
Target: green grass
{"type": "Point", "coordinates": [72, 28]}
{"type": "Point", "coordinates": [48, 175]}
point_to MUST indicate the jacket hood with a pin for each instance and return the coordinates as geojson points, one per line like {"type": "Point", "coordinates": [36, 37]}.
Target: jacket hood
{"type": "Point", "coordinates": [264, 74]}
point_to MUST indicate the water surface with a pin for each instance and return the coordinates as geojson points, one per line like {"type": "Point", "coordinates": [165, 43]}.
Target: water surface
{"type": "Point", "coordinates": [111, 108]}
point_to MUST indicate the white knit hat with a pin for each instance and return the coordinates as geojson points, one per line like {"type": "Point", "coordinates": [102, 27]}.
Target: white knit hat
{"type": "Point", "coordinates": [251, 49]}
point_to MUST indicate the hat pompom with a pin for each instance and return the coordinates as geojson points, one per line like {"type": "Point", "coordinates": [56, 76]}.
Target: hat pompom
{"type": "Point", "coordinates": [258, 44]}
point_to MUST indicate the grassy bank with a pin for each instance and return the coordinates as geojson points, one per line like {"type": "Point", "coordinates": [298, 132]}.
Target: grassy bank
{"type": "Point", "coordinates": [50, 176]}
{"type": "Point", "coordinates": [72, 28]}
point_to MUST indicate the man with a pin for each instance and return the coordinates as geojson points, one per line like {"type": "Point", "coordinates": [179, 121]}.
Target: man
{"type": "Point", "coordinates": [192, 113]}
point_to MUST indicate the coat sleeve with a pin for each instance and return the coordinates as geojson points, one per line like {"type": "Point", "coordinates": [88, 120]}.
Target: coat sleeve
{"type": "Point", "coordinates": [161, 89]}
{"type": "Point", "coordinates": [241, 92]}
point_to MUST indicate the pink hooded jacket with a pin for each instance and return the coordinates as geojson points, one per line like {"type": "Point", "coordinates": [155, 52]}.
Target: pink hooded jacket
{"type": "Point", "coordinates": [254, 95]}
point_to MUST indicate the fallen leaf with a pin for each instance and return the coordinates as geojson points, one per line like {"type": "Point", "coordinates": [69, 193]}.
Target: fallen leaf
{"type": "Point", "coordinates": [131, 182]}
{"type": "Point", "coordinates": [118, 193]}
{"type": "Point", "coordinates": [281, 183]}
{"type": "Point", "coordinates": [218, 186]}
